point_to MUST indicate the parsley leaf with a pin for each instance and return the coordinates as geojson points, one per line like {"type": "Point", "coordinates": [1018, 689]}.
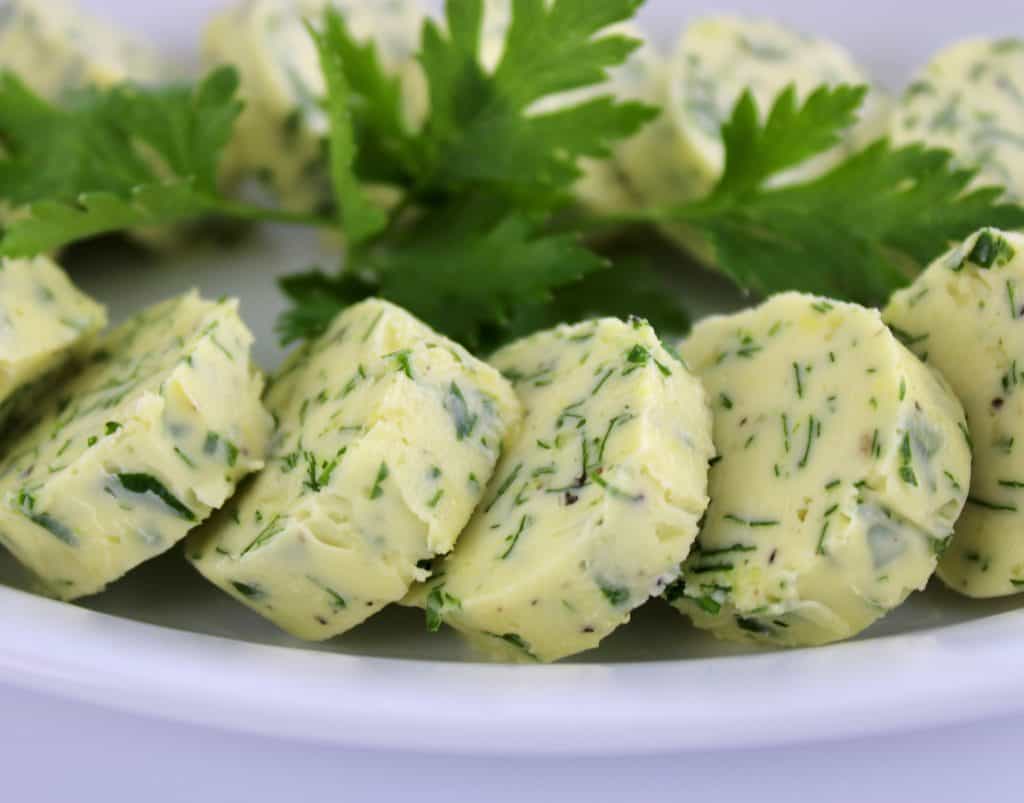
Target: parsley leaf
{"type": "Point", "coordinates": [461, 270]}
{"type": "Point", "coordinates": [316, 299]}
{"type": "Point", "coordinates": [114, 159]}
{"type": "Point", "coordinates": [360, 218]}
{"type": "Point", "coordinates": [387, 151]}
{"type": "Point", "coordinates": [791, 134]}
{"type": "Point", "coordinates": [462, 275]}
{"type": "Point", "coordinates": [51, 224]}
{"type": "Point", "coordinates": [479, 129]}
{"type": "Point", "coordinates": [857, 232]}
{"type": "Point", "coordinates": [631, 287]}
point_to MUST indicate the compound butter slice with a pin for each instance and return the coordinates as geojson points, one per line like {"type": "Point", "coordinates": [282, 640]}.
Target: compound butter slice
{"type": "Point", "coordinates": [842, 468]}
{"type": "Point", "coordinates": [45, 321]}
{"type": "Point", "coordinates": [387, 434]}
{"type": "Point", "coordinates": [593, 505]}
{"type": "Point", "coordinates": [965, 316]}
{"type": "Point", "coordinates": [134, 451]}
{"type": "Point", "coordinates": [54, 46]}
{"type": "Point", "coordinates": [970, 100]}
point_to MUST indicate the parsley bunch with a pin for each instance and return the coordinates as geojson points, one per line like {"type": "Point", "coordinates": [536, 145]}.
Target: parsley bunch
{"type": "Point", "coordinates": [482, 243]}
{"type": "Point", "coordinates": [470, 245]}
{"type": "Point", "coordinates": [482, 255]}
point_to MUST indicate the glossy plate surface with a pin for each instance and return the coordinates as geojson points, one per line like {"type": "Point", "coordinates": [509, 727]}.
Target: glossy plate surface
{"type": "Point", "coordinates": [165, 643]}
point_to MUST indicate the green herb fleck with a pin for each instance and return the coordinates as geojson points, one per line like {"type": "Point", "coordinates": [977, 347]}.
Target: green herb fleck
{"type": "Point", "coordinates": [248, 590]}
{"type": "Point", "coordinates": [616, 595]}
{"type": "Point", "coordinates": [503, 488]}
{"type": "Point", "coordinates": [513, 539]}
{"type": "Point", "coordinates": [751, 522]}
{"type": "Point", "coordinates": [1010, 508]}
{"type": "Point", "coordinates": [458, 409]}
{"type": "Point", "coordinates": [382, 474]}
{"type": "Point", "coordinates": [439, 601]}
{"type": "Point", "coordinates": [337, 601]}
{"type": "Point", "coordinates": [273, 527]}
{"type": "Point", "coordinates": [148, 484]}
{"type": "Point", "coordinates": [813, 432]}
{"type": "Point", "coordinates": [402, 359]}
{"type": "Point", "coordinates": [990, 249]}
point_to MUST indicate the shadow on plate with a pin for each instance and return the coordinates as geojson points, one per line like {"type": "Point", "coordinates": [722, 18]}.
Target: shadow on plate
{"type": "Point", "coordinates": [169, 593]}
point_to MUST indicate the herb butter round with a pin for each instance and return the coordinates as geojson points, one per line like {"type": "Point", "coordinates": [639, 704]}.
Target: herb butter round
{"type": "Point", "coordinates": [965, 316]}
{"type": "Point", "coordinates": [595, 502]}
{"type": "Point", "coordinates": [136, 449]}
{"type": "Point", "coordinates": [386, 435]}
{"type": "Point", "coordinates": [54, 46]}
{"type": "Point", "coordinates": [45, 324]}
{"type": "Point", "coordinates": [970, 100]}
{"type": "Point", "coordinates": [842, 467]}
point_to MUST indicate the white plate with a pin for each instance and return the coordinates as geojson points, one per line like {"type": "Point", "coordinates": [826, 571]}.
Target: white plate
{"type": "Point", "coordinates": [164, 642]}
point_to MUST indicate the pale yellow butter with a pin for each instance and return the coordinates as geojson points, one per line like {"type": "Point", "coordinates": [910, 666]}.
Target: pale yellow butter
{"type": "Point", "coordinates": [44, 322]}
{"type": "Point", "coordinates": [970, 100]}
{"type": "Point", "coordinates": [387, 434]}
{"type": "Point", "coordinates": [595, 503]}
{"type": "Point", "coordinates": [842, 467]}
{"type": "Point", "coordinates": [965, 316]}
{"type": "Point", "coordinates": [136, 449]}
{"type": "Point", "coordinates": [54, 46]}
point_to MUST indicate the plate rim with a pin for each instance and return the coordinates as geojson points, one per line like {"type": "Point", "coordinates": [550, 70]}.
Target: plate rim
{"type": "Point", "coordinates": [429, 706]}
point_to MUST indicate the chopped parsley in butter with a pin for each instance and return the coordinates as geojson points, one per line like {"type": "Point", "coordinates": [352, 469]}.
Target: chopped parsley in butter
{"type": "Point", "coordinates": [842, 468]}
{"type": "Point", "coordinates": [970, 100]}
{"type": "Point", "coordinates": [137, 448]}
{"type": "Point", "coordinates": [387, 434]}
{"type": "Point", "coordinates": [45, 322]}
{"type": "Point", "coordinates": [593, 505]}
{"type": "Point", "coordinates": [965, 316]}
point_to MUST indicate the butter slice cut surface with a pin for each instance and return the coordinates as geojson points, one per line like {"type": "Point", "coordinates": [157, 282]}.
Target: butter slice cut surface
{"type": "Point", "coordinates": [45, 321]}
{"type": "Point", "coordinates": [965, 316]}
{"type": "Point", "coordinates": [970, 100]}
{"type": "Point", "coordinates": [842, 468]}
{"type": "Point", "coordinates": [280, 132]}
{"type": "Point", "coordinates": [387, 434]}
{"type": "Point", "coordinates": [136, 449]}
{"type": "Point", "coordinates": [54, 46]}
{"type": "Point", "coordinates": [593, 505]}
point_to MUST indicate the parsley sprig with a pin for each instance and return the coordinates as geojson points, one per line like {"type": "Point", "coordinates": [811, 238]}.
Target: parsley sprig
{"type": "Point", "coordinates": [470, 244]}
{"type": "Point", "coordinates": [121, 158]}
{"type": "Point", "coordinates": [858, 231]}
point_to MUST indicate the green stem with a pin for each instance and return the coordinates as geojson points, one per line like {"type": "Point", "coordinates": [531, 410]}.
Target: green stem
{"type": "Point", "coordinates": [253, 212]}
{"type": "Point", "coordinates": [653, 215]}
